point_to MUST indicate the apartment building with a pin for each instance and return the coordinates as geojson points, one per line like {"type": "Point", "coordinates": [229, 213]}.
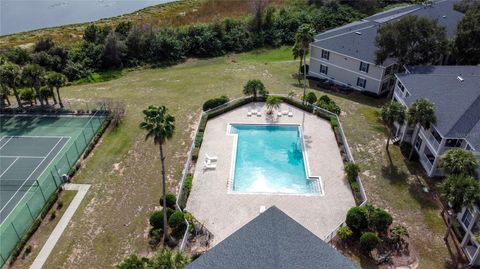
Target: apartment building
{"type": "Point", "coordinates": [346, 55]}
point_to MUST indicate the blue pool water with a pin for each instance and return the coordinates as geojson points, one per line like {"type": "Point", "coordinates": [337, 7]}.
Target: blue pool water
{"type": "Point", "coordinates": [269, 159]}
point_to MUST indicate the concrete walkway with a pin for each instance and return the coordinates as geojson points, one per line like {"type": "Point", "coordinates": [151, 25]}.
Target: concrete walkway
{"type": "Point", "coordinates": [61, 225]}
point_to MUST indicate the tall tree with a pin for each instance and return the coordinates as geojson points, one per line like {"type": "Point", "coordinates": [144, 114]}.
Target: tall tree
{"type": "Point", "coordinates": [421, 113]}
{"type": "Point", "coordinates": [392, 112]}
{"type": "Point", "coordinates": [33, 74]}
{"type": "Point", "coordinates": [297, 52]}
{"type": "Point", "coordinates": [255, 87]}
{"type": "Point", "coordinates": [159, 125]}
{"type": "Point", "coordinates": [303, 38]}
{"type": "Point", "coordinates": [10, 75]}
{"type": "Point", "coordinates": [459, 161]}
{"type": "Point", "coordinates": [459, 191]}
{"type": "Point", "coordinates": [467, 48]}
{"type": "Point", "coordinates": [411, 40]}
{"type": "Point", "coordinates": [113, 51]}
{"type": "Point", "coordinates": [56, 80]}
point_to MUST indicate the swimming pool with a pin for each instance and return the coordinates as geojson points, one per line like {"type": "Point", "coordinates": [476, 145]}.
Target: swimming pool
{"type": "Point", "coordinates": [270, 159]}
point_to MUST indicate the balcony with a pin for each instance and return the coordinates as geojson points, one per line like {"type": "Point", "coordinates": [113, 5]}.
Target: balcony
{"type": "Point", "coordinates": [431, 140]}
{"type": "Point", "coordinates": [426, 163]}
{"type": "Point", "coordinates": [399, 95]}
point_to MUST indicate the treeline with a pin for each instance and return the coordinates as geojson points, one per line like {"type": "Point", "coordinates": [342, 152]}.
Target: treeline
{"type": "Point", "coordinates": [128, 45]}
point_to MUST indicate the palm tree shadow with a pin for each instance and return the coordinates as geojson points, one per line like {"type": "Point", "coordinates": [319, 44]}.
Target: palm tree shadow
{"type": "Point", "coordinates": [394, 175]}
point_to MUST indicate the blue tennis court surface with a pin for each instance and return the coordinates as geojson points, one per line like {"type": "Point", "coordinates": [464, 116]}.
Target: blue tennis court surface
{"type": "Point", "coordinates": [22, 160]}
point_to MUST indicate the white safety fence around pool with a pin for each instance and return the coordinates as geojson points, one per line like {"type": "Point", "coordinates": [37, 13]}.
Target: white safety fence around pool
{"type": "Point", "coordinates": [327, 238]}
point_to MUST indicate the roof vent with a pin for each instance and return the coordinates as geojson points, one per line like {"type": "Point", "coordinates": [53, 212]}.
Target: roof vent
{"type": "Point", "coordinates": [444, 16]}
{"type": "Point", "coordinates": [358, 33]}
{"type": "Point", "coordinates": [460, 78]}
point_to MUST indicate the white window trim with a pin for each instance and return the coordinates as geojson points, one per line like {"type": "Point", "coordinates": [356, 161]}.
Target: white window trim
{"type": "Point", "coordinates": [365, 83]}
{"type": "Point", "coordinates": [361, 74]}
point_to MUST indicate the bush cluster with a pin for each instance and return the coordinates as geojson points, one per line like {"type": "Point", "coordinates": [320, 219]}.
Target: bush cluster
{"type": "Point", "coordinates": [326, 103]}
{"type": "Point", "coordinates": [215, 102]}
{"type": "Point", "coordinates": [368, 222]}
{"type": "Point", "coordinates": [109, 48]}
{"type": "Point", "coordinates": [171, 200]}
{"type": "Point", "coordinates": [352, 170]}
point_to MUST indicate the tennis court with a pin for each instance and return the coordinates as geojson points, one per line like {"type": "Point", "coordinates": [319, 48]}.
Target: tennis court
{"type": "Point", "coordinates": [36, 151]}
{"type": "Point", "coordinates": [22, 160]}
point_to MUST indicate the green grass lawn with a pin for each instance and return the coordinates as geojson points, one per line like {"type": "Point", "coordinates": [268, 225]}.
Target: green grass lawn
{"type": "Point", "coordinates": [124, 170]}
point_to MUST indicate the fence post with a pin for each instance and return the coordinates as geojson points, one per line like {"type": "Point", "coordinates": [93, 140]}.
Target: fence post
{"type": "Point", "coordinates": [53, 178]}
{"type": "Point", "coordinates": [93, 130]}
{"type": "Point", "coordinates": [76, 147]}
{"type": "Point", "coordinates": [56, 170]}
{"type": "Point", "coordinates": [84, 137]}
{"type": "Point", "coordinates": [41, 191]}
{"type": "Point", "coordinates": [68, 161]}
{"type": "Point", "coordinates": [3, 259]}
{"type": "Point", "coordinates": [30, 211]}
{"type": "Point", "coordinates": [15, 231]}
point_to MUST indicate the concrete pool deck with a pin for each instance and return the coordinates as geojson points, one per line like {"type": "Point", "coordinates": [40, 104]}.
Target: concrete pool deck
{"type": "Point", "coordinates": [223, 212]}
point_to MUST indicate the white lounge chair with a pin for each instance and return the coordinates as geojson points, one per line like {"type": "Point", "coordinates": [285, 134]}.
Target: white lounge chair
{"type": "Point", "coordinates": [209, 165]}
{"type": "Point", "coordinates": [290, 113]}
{"type": "Point", "coordinates": [284, 112]}
{"type": "Point", "coordinates": [211, 158]}
{"type": "Point", "coordinates": [279, 114]}
{"type": "Point", "coordinates": [254, 111]}
{"type": "Point", "coordinates": [259, 113]}
{"type": "Point", "coordinates": [249, 113]}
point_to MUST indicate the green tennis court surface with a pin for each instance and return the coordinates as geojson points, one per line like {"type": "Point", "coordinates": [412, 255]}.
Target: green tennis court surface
{"type": "Point", "coordinates": [22, 160]}
{"type": "Point", "coordinates": [35, 152]}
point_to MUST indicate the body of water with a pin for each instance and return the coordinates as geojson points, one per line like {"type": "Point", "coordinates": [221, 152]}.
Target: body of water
{"type": "Point", "coordinates": [25, 15]}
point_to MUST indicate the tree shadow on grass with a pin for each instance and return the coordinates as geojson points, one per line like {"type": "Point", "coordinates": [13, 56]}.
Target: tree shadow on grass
{"type": "Point", "coordinates": [394, 175]}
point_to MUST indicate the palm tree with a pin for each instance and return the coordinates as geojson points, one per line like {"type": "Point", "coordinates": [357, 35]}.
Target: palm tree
{"type": "Point", "coordinates": [159, 126]}
{"type": "Point", "coordinates": [255, 87]}
{"type": "Point", "coordinates": [169, 260]}
{"type": "Point", "coordinates": [10, 76]}
{"type": "Point", "coordinates": [303, 38]}
{"type": "Point", "coordinates": [421, 113]}
{"type": "Point", "coordinates": [392, 112]}
{"type": "Point", "coordinates": [297, 52]}
{"type": "Point", "coordinates": [33, 74]}
{"type": "Point", "coordinates": [459, 191]}
{"type": "Point", "coordinates": [459, 161]}
{"type": "Point", "coordinates": [56, 80]}
{"type": "Point", "coordinates": [272, 103]}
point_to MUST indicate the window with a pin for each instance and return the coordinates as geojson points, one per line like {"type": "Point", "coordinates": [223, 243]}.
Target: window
{"type": "Point", "coordinates": [467, 218]}
{"type": "Point", "coordinates": [435, 134]}
{"type": "Point", "coordinates": [364, 67]}
{"type": "Point", "coordinates": [361, 82]}
{"type": "Point", "coordinates": [468, 147]}
{"type": "Point", "coordinates": [418, 142]}
{"type": "Point", "coordinates": [453, 143]}
{"type": "Point", "coordinates": [400, 85]}
{"type": "Point", "coordinates": [323, 69]}
{"type": "Point", "coordinates": [326, 54]}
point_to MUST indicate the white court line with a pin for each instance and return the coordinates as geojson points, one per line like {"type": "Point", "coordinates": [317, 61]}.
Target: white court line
{"type": "Point", "coordinates": [25, 157]}
{"type": "Point", "coordinates": [8, 167]}
{"type": "Point", "coordinates": [39, 136]}
{"type": "Point", "coordinates": [6, 142]}
{"type": "Point", "coordinates": [8, 202]}
{"type": "Point", "coordinates": [32, 185]}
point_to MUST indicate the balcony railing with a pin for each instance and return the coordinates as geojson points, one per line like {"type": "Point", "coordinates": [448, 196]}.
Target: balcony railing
{"type": "Point", "coordinates": [426, 163]}
{"type": "Point", "coordinates": [434, 144]}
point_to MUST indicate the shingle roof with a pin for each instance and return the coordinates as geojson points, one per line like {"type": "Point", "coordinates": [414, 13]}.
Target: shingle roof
{"type": "Point", "coordinates": [457, 102]}
{"type": "Point", "coordinates": [348, 41]}
{"type": "Point", "coordinates": [273, 240]}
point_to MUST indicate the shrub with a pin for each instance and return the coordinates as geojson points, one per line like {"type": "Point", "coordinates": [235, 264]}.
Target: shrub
{"type": "Point", "coordinates": [380, 220]}
{"type": "Point", "coordinates": [53, 215]}
{"type": "Point", "coordinates": [357, 219]}
{"type": "Point", "coordinates": [351, 169]}
{"type": "Point", "coordinates": [171, 200]}
{"type": "Point", "coordinates": [369, 241]}
{"type": "Point", "coordinates": [344, 233]}
{"type": "Point", "coordinates": [195, 152]}
{"type": "Point", "coordinates": [176, 219]}
{"type": "Point", "coordinates": [198, 139]}
{"type": "Point", "coordinates": [310, 98]}
{"type": "Point", "coordinates": [399, 232]}
{"type": "Point", "coordinates": [304, 66]}
{"type": "Point", "coordinates": [212, 103]}
{"type": "Point", "coordinates": [333, 122]}
{"type": "Point", "coordinates": [156, 219]}
{"type": "Point", "coordinates": [326, 103]}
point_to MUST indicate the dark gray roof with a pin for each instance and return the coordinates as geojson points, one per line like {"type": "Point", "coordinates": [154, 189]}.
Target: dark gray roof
{"type": "Point", "coordinates": [348, 41]}
{"type": "Point", "coordinates": [273, 240]}
{"type": "Point", "coordinates": [457, 102]}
